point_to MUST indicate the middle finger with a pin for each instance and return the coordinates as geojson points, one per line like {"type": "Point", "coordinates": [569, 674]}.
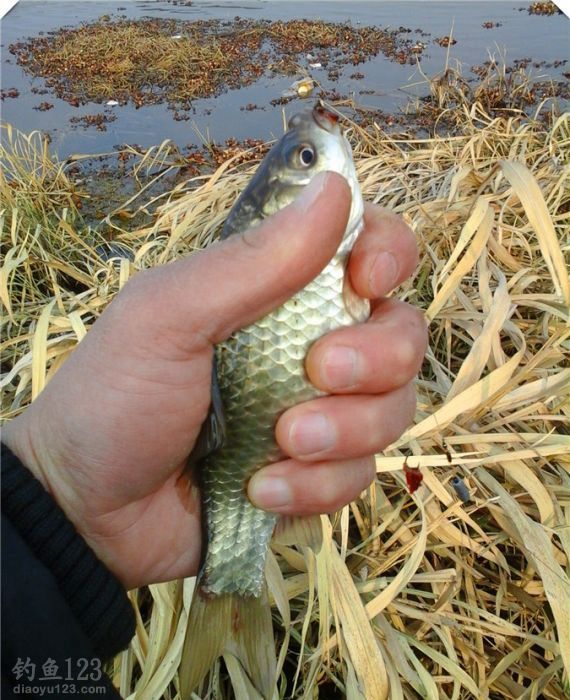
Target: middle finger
{"type": "Point", "coordinates": [381, 355]}
{"type": "Point", "coordinates": [345, 427]}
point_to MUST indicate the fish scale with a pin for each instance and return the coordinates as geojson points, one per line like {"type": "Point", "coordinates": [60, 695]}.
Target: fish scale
{"type": "Point", "coordinates": [261, 374]}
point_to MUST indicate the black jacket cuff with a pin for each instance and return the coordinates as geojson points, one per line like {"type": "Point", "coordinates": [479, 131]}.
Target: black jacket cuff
{"type": "Point", "coordinates": [94, 595]}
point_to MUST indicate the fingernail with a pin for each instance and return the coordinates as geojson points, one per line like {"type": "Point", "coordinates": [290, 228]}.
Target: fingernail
{"type": "Point", "coordinates": [383, 274]}
{"type": "Point", "coordinates": [339, 367]}
{"type": "Point", "coordinates": [311, 433]}
{"type": "Point", "coordinates": [311, 192]}
{"type": "Point", "coordinates": [269, 492]}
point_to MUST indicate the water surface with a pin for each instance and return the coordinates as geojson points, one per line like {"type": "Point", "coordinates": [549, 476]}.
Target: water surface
{"type": "Point", "coordinates": [520, 36]}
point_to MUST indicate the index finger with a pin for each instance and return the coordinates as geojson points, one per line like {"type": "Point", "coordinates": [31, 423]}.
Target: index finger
{"type": "Point", "coordinates": [384, 255]}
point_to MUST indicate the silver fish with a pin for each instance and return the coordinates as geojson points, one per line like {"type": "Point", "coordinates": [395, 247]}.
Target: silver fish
{"type": "Point", "coordinates": [259, 373]}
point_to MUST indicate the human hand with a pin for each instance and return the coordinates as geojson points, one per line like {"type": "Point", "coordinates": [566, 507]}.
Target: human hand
{"type": "Point", "coordinates": [110, 434]}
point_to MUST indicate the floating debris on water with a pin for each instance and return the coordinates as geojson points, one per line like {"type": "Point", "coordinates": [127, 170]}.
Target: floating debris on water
{"type": "Point", "coordinates": [242, 151]}
{"type": "Point", "coordinates": [544, 8]}
{"type": "Point", "coordinates": [250, 106]}
{"type": "Point", "coordinates": [177, 61]}
{"type": "Point", "coordinates": [99, 121]}
{"type": "Point", "coordinates": [502, 89]}
{"type": "Point", "coordinates": [10, 92]}
{"type": "Point", "coordinates": [305, 87]}
{"type": "Point", "coordinates": [446, 41]}
{"type": "Point", "coordinates": [283, 100]}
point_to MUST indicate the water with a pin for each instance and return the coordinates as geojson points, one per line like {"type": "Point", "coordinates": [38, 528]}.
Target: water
{"type": "Point", "coordinates": [520, 35]}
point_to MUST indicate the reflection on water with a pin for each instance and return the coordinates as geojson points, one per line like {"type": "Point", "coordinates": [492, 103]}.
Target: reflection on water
{"type": "Point", "coordinates": [385, 84]}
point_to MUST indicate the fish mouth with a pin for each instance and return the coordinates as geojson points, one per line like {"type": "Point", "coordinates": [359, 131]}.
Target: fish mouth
{"type": "Point", "coordinates": [324, 118]}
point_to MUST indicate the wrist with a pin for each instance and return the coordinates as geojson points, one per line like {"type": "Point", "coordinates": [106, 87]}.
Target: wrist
{"type": "Point", "coordinates": [33, 440]}
{"type": "Point", "coordinates": [16, 435]}
{"type": "Point", "coordinates": [24, 437]}
{"type": "Point", "coordinates": [52, 547]}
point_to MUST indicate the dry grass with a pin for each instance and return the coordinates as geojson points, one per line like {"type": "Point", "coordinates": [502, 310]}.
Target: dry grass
{"type": "Point", "coordinates": [397, 596]}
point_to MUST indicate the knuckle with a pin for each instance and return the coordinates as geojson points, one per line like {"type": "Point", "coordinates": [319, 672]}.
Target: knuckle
{"type": "Point", "coordinates": [407, 234]}
{"type": "Point", "coordinates": [408, 361]}
{"type": "Point", "coordinates": [333, 485]}
{"type": "Point", "coordinates": [367, 472]}
{"type": "Point", "coordinates": [328, 493]}
{"type": "Point", "coordinates": [410, 403]}
{"type": "Point", "coordinates": [136, 291]}
{"type": "Point", "coordinates": [421, 330]}
{"type": "Point", "coordinates": [362, 473]}
{"type": "Point", "coordinates": [415, 325]}
{"type": "Point", "coordinates": [399, 228]}
{"type": "Point", "coordinates": [250, 240]}
{"type": "Point", "coordinates": [408, 331]}
{"type": "Point", "coordinates": [418, 318]}
{"type": "Point", "coordinates": [126, 302]}
{"type": "Point", "coordinates": [392, 416]}
{"type": "Point", "coordinates": [402, 231]}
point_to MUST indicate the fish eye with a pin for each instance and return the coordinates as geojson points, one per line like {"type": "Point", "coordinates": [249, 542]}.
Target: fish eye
{"type": "Point", "coordinates": [306, 156]}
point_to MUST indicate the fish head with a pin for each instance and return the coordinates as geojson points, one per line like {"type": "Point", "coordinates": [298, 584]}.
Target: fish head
{"type": "Point", "coordinates": [313, 143]}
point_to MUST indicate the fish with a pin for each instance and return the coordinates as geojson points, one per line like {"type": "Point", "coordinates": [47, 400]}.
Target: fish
{"type": "Point", "coordinates": [259, 373]}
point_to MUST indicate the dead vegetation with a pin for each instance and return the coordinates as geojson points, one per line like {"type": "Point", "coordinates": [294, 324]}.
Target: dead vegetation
{"type": "Point", "coordinates": [499, 90]}
{"type": "Point", "coordinates": [546, 7]}
{"type": "Point", "coordinates": [179, 61]}
{"type": "Point", "coordinates": [397, 596]}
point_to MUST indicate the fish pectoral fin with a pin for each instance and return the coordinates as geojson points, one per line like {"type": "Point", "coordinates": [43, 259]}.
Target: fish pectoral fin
{"type": "Point", "coordinates": [233, 625]}
{"type": "Point", "coordinates": [213, 431]}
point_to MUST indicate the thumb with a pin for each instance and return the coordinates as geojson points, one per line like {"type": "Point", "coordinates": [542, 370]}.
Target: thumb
{"type": "Point", "coordinates": [237, 281]}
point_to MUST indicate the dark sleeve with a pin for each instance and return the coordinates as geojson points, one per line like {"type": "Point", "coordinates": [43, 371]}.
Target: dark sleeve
{"type": "Point", "coordinates": [62, 609]}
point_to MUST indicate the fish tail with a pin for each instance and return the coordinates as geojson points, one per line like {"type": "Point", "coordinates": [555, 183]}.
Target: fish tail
{"type": "Point", "coordinates": [234, 624]}
{"type": "Point", "coordinates": [207, 634]}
